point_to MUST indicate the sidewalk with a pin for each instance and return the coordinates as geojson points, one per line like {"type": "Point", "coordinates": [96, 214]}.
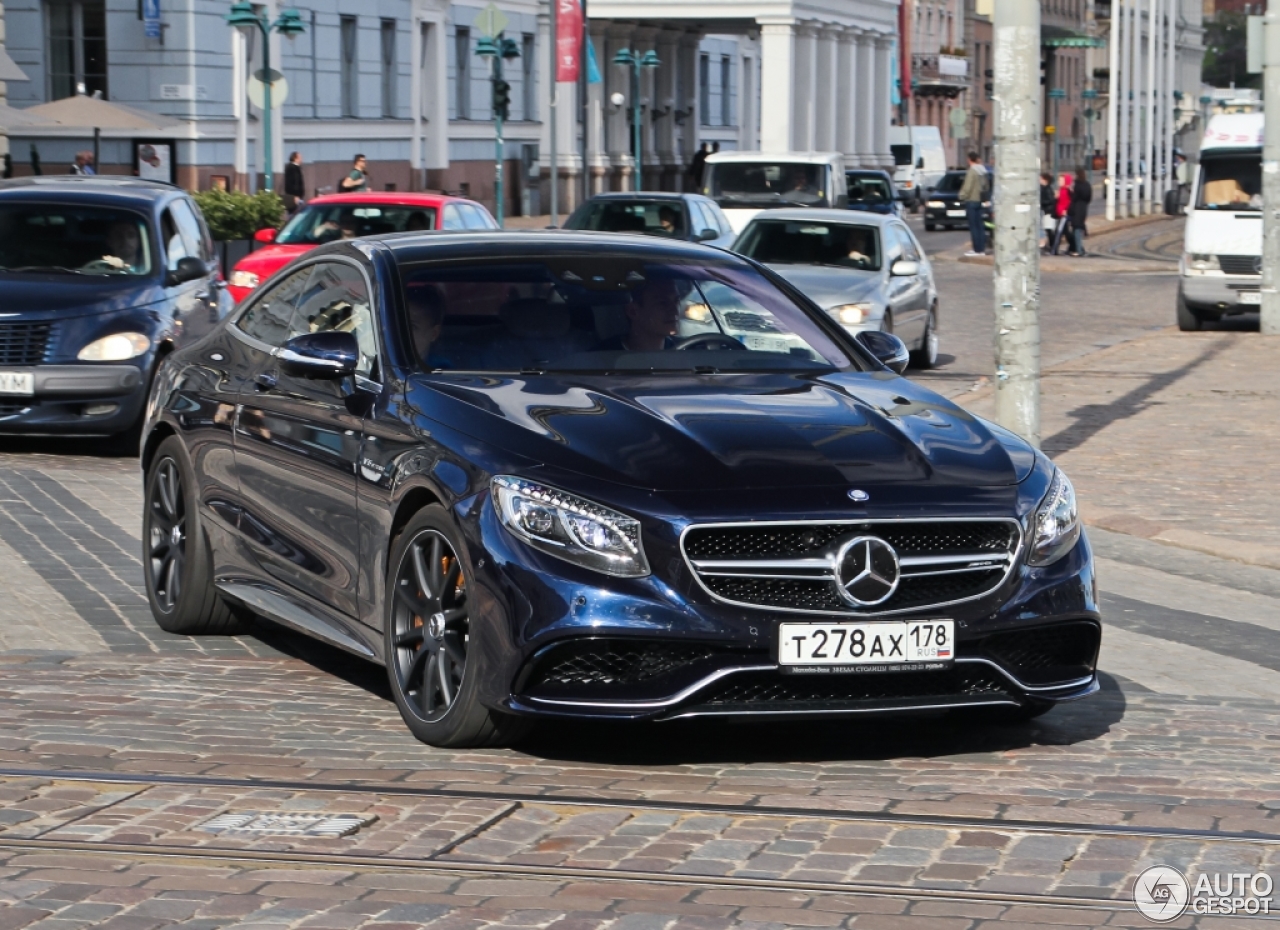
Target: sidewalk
{"type": "Point", "coordinates": [1171, 437]}
{"type": "Point", "coordinates": [1097, 263]}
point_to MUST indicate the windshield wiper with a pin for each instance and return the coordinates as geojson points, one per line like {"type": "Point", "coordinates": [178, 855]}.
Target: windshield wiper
{"type": "Point", "coordinates": [62, 269]}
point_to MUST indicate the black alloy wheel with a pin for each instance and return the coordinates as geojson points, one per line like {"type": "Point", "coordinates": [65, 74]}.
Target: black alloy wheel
{"type": "Point", "coordinates": [175, 552]}
{"type": "Point", "coordinates": [926, 356]}
{"type": "Point", "coordinates": [432, 638]}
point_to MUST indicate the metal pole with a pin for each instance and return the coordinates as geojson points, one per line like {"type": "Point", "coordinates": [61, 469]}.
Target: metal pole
{"type": "Point", "coordinates": [552, 88]}
{"type": "Point", "coordinates": [266, 106]}
{"type": "Point", "coordinates": [1135, 106]}
{"type": "Point", "coordinates": [1271, 174]}
{"type": "Point", "coordinates": [497, 122]}
{"type": "Point", "coordinates": [1171, 54]}
{"type": "Point", "coordinates": [1016, 49]}
{"type": "Point", "coordinates": [636, 116]}
{"type": "Point", "coordinates": [584, 106]}
{"type": "Point", "coordinates": [1120, 94]}
{"type": "Point", "coordinates": [1113, 102]}
{"type": "Point", "coordinates": [1149, 137]}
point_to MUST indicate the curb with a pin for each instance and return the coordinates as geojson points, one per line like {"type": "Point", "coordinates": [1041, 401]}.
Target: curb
{"type": "Point", "coordinates": [1100, 227]}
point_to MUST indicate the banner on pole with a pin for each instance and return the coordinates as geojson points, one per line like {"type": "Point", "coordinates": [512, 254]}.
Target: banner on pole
{"type": "Point", "coordinates": [593, 70]}
{"type": "Point", "coordinates": [151, 19]}
{"type": "Point", "coordinates": [568, 40]}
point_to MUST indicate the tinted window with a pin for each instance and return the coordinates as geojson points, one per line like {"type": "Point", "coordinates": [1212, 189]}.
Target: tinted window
{"type": "Point", "coordinates": [319, 223]}
{"type": "Point", "coordinates": [453, 217]}
{"type": "Point", "coordinates": [69, 239]}
{"type": "Point", "coordinates": [653, 217]}
{"type": "Point", "coordinates": [337, 300]}
{"type": "Point", "coordinates": [767, 184]}
{"type": "Point", "coordinates": [608, 314]}
{"type": "Point", "coordinates": [869, 189]}
{"type": "Point", "coordinates": [190, 231]}
{"type": "Point", "coordinates": [951, 182]}
{"type": "Point", "coordinates": [797, 243]}
{"type": "Point", "coordinates": [1230, 183]}
{"type": "Point", "coordinates": [269, 317]}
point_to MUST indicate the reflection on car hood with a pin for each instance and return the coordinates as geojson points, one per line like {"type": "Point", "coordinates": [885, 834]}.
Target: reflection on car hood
{"type": "Point", "coordinates": [830, 287]}
{"type": "Point", "coordinates": [266, 261]}
{"type": "Point", "coordinates": [50, 297]}
{"type": "Point", "coordinates": [685, 433]}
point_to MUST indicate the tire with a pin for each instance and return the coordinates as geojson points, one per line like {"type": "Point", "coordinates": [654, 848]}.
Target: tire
{"type": "Point", "coordinates": [930, 227]}
{"type": "Point", "coordinates": [176, 560]}
{"type": "Point", "coordinates": [432, 645]}
{"type": "Point", "coordinates": [926, 356]}
{"type": "Point", "coordinates": [1188, 320]}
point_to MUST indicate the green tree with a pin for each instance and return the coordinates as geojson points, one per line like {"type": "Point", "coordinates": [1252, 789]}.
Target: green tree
{"type": "Point", "coordinates": [1226, 52]}
{"type": "Point", "coordinates": [237, 215]}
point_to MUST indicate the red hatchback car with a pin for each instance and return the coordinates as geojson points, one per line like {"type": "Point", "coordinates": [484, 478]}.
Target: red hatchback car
{"type": "Point", "coordinates": [347, 216]}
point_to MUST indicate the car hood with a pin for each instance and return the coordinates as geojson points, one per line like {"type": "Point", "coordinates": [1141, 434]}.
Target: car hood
{"type": "Point", "coordinates": [690, 433]}
{"type": "Point", "coordinates": [265, 262]}
{"type": "Point", "coordinates": [830, 287]}
{"type": "Point", "coordinates": [54, 297]}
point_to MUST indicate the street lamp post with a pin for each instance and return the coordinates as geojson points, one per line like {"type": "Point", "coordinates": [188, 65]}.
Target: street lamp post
{"type": "Point", "coordinates": [1090, 114]}
{"type": "Point", "coordinates": [498, 49]}
{"type": "Point", "coordinates": [637, 61]}
{"type": "Point", "coordinates": [289, 25]}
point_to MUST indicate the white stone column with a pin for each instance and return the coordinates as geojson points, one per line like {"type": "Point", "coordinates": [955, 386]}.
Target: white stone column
{"type": "Point", "coordinates": [597, 159]}
{"type": "Point", "coordinates": [687, 102]}
{"type": "Point", "coordinates": [864, 91]}
{"type": "Point", "coordinates": [778, 48]}
{"type": "Point", "coordinates": [826, 100]}
{"type": "Point", "coordinates": [843, 92]}
{"type": "Point", "coordinates": [804, 99]}
{"type": "Point", "coordinates": [880, 126]}
{"type": "Point", "coordinates": [667, 45]}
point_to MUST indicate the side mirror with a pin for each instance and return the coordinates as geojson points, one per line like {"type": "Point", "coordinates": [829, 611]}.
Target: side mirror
{"type": "Point", "coordinates": [705, 235]}
{"type": "Point", "coordinates": [265, 236]}
{"type": "Point", "coordinates": [904, 268]}
{"type": "Point", "coordinates": [188, 269]}
{"type": "Point", "coordinates": [886, 348]}
{"type": "Point", "coordinates": [324, 356]}
{"type": "Point", "coordinates": [920, 162]}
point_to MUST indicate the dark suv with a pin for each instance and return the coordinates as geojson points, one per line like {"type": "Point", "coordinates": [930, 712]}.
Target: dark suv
{"type": "Point", "coordinates": [99, 279]}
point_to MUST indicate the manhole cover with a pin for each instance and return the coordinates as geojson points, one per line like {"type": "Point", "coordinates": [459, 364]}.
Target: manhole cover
{"type": "Point", "coordinates": [274, 823]}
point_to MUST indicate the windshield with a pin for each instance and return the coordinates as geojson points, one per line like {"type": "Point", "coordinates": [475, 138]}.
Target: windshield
{"type": "Point", "coordinates": [654, 217]}
{"type": "Point", "coordinates": [951, 183]}
{"type": "Point", "coordinates": [71, 239]}
{"type": "Point", "coordinates": [901, 154]}
{"type": "Point", "coordinates": [791, 242]}
{"type": "Point", "coordinates": [1231, 182]}
{"type": "Point", "coordinates": [609, 314]}
{"type": "Point", "coordinates": [767, 184]}
{"type": "Point", "coordinates": [869, 189]}
{"type": "Point", "coordinates": [326, 222]}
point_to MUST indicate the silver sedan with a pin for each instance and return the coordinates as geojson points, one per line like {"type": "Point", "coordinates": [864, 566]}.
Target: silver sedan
{"type": "Point", "coordinates": [867, 271]}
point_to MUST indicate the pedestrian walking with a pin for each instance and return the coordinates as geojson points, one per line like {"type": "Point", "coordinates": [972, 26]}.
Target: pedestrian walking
{"type": "Point", "coordinates": [695, 166]}
{"type": "Point", "coordinates": [294, 189]}
{"type": "Point", "coordinates": [1047, 204]}
{"type": "Point", "coordinates": [357, 181]}
{"type": "Point", "coordinates": [1078, 211]}
{"type": "Point", "coordinates": [1060, 209]}
{"type": "Point", "coordinates": [972, 195]}
{"type": "Point", "coordinates": [83, 164]}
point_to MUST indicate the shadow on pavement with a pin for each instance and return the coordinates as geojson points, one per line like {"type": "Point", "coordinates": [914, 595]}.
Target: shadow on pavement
{"type": "Point", "coordinates": [97, 447]}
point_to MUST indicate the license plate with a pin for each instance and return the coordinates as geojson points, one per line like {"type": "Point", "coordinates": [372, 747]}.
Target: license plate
{"type": "Point", "coordinates": [17, 382]}
{"type": "Point", "coordinates": [822, 648]}
{"type": "Point", "coordinates": [1251, 297]}
{"type": "Point", "coordinates": [955, 213]}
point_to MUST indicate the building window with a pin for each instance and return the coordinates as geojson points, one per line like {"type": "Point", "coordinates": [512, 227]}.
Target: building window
{"type": "Point", "coordinates": [349, 68]}
{"type": "Point", "coordinates": [529, 87]}
{"type": "Point", "coordinates": [462, 72]}
{"type": "Point", "coordinates": [77, 41]}
{"type": "Point", "coordinates": [389, 68]}
{"type": "Point", "coordinates": [704, 89]}
{"type": "Point", "coordinates": [726, 99]}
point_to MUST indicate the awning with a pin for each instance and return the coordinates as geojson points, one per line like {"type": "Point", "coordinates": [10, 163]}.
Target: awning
{"type": "Point", "coordinates": [1060, 37]}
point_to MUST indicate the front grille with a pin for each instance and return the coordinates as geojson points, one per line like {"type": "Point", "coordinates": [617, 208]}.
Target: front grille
{"type": "Point", "coordinates": [791, 566]}
{"type": "Point", "coordinates": [23, 344]}
{"type": "Point", "coordinates": [1061, 652]}
{"type": "Point", "coordinates": [596, 662]}
{"type": "Point", "coordinates": [765, 691]}
{"type": "Point", "coordinates": [1240, 264]}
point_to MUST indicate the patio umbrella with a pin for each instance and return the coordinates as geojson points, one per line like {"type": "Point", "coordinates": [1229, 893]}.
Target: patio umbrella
{"type": "Point", "coordinates": [82, 110]}
{"type": "Point", "coordinates": [13, 118]}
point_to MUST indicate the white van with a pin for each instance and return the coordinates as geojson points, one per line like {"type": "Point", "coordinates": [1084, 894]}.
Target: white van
{"type": "Point", "coordinates": [1221, 266]}
{"type": "Point", "coordinates": [744, 183]}
{"type": "Point", "coordinates": [919, 162]}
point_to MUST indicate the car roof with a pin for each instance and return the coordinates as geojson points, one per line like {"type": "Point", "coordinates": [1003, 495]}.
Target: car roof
{"type": "Point", "coordinates": [516, 243]}
{"type": "Point", "coordinates": [643, 195]}
{"type": "Point", "coordinates": [398, 198]}
{"type": "Point", "coordinates": [88, 189]}
{"type": "Point", "coordinates": [791, 158]}
{"type": "Point", "coordinates": [848, 217]}
{"type": "Point", "coordinates": [867, 173]}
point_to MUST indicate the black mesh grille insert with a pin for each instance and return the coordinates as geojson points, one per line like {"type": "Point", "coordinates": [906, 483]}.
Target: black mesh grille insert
{"type": "Point", "coordinates": [614, 662]}
{"type": "Point", "coordinates": [1071, 646]}
{"type": "Point", "coordinates": [1240, 264]}
{"type": "Point", "coordinates": [23, 343]}
{"type": "Point", "coordinates": [13, 408]}
{"type": "Point", "coordinates": [821, 595]}
{"type": "Point", "coordinates": [792, 541]}
{"type": "Point", "coordinates": [826, 690]}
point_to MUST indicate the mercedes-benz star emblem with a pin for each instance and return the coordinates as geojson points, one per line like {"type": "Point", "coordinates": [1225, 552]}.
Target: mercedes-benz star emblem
{"type": "Point", "coordinates": [859, 496]}
{"type": "Point", "coordinates": [867, 571]}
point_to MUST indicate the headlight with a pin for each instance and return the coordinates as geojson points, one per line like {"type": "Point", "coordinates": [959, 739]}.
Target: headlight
{"type": "Point", "coordinates": [115, 348]}
{"type": "Point", "coordinates": [1195, 261]}
{"type": "Point", "coordinates": [937, 204]}
{"type": "Point", "coordinates": [244, 279]}
{"type": "Point", "coordinates": [1057, 524]}
{"type": "Point", "coordinates": [570, 527]}
{"type": "Point", "coordinates": [851, 314]}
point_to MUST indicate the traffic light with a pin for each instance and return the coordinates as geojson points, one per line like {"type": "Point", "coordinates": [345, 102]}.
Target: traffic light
{"type": "Point", "coordinates": [502, 99]}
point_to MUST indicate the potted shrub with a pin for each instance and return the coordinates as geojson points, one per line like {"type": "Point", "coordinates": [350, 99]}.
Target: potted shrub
{"type": "Point", "coordinates": [234, 217]}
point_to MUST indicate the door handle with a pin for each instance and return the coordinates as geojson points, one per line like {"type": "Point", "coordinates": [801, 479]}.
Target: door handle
{"type": "Point", "coordinates": [266, 381]}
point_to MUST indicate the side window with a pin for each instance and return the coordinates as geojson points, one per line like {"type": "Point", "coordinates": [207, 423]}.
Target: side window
{"type": "Point", "coordinates": [721, 220]}
{"type": "Point", "coordinates": [269, 318]}
{"type": "Point", "coordinates": [337, 300]}
{"type": "Point", "coordinates": [453, 217]}
{"type": "Point", "coordinates": [190, 231]}
{"type": "Point", "coordinates": [474, 217]}
{"type": "Point", "coordinates": [703, 218]}
{"type": "Point", "coordinates": [174, 246]}
{"type": "Point", "coordinates": [908, 244]}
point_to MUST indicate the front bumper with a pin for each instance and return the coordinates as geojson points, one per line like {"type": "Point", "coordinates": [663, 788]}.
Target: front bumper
{"type": "Point", "coordinates": [76, 399]}
{"type": "Point", "coordinates": [939, 215]}
{"type": "Point", "coordinates": [1220, 294]}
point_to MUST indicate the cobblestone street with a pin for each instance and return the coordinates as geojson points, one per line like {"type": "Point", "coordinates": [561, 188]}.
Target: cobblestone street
{"type": "Point", "coordinates": [121, 743]}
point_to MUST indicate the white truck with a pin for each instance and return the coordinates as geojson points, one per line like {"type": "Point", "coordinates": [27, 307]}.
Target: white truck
{"type": "Point", "coordinates": [1221, 267]}
{"type": "Point", "coordinates": [919, 162]}
{"type": "Point", "coordinates": [744, 183]}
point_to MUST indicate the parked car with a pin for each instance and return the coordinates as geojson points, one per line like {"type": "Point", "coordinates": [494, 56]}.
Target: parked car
{"type": "Point", "coordinates": [867, 272]}
{"type": "Point", "coordinates": [346, 216]}
{"type": "Point", "coordinates": [744, 183]}
{"type": "Point", "coordinates": [691, 217]}
{"type": "Point", "coordinates": [511, 468]}
{"type": "Point", "coordinates": [871, 191]}
{"type": "Point", "coordinates": [943, 207]}
{"type": "Point", "coordinates": [100, 278]}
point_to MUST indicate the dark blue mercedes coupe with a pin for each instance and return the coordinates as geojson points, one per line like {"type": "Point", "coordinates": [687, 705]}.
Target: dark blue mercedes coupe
{"type": "Point", "coordinates": [581, 475]}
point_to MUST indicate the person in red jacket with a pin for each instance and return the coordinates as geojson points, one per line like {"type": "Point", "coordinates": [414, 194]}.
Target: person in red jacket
{"type": "Point", "coordinates": [1060, 210]}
